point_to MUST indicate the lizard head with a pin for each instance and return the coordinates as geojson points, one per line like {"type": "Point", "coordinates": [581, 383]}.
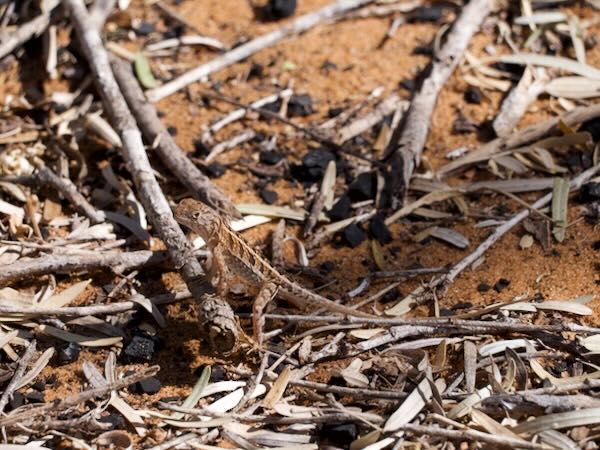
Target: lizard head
{"type": "Point", "coordinates": [198, 217]}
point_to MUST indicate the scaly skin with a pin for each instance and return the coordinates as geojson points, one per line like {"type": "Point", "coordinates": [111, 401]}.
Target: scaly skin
{"type": "Point", "coordinates": [233, 259]}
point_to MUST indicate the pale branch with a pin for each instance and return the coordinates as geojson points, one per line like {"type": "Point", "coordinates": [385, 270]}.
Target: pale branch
{"type": "Point", "coordinates": [239, 113]}
{"type": "Point", "coordinates": [355, 393]}
{"type": "Point", "coordinates": [168, 151]}
{"type": "Point", "coordinates": [532, 84]}
{"type": "Point", "coordinates": [100, 11]}
{"type": "Point", "coordinates": [68, 189]}
{"type": "Point", "coordinates": [27, 31]}
{"type": "Point", "coordinates": [404, 153]}
{"type": "Point", "coordinates": [197, 438]}
{"type": "Point", "coordinates": [18, 375]}
{"type": "Point", "coordinates": [470, 435]}
{"type": "Point", "coordinates": [528, 135]}
{"type": "Point", "coordinates": [388, 106]}
{"type": "Point", "coordinates": [27, 268]}
{"type": "Point", "coordinates": [299, 25]}
{"type": "Point", "coordinates": [463, 325]}
{"type": "Point", "coordinates": [133, 152]}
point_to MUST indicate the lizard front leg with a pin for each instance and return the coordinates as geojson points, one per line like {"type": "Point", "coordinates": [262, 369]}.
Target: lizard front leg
{"type": "Point", "coordinates": [267, 293]}
{"type": "Point", "coordinates": [219, 272]}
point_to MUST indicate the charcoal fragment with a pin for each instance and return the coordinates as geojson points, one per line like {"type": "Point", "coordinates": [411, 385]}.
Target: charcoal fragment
{"type": "Point", "coordinates": [269, 197]}
{"type": "Point", "coordinates": [341, 209]}
{"type": "Point", "coordinates": [501, 284]}
{"type": "Point", "coordinates": [353, 235]}
{"type": "Point", "coordinates": [68, 353]}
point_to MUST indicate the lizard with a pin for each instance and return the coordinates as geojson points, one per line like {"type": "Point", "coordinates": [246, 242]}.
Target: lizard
{"type": "Point", "coordinates": [233, 259]}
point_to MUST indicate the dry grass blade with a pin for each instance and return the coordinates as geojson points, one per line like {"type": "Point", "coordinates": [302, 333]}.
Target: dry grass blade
{"type": "Point", "coordinates": [560, 197]}
{"type": "Point", "coordinates": [413, 405]}
{"type": "Point", "coordinates": [558, 421]}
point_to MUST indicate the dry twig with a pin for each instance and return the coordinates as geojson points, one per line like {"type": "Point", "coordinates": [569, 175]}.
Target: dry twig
{"type": "Point", "coordinates": [404, 154]}
{"type": "Point", "coordinates": [169, 152]}
{"type": "Point", "coordinates": [240, 53]}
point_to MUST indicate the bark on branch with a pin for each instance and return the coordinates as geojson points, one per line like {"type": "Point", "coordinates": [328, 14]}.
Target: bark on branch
{"type": "Point", "coordinates": [169, 152]}
{"type": "Point", "coordinates": [403, 155]}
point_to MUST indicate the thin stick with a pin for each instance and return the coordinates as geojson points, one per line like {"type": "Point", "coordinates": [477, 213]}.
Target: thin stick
{"type": "Point", "coordinates": [530, 134]}
{"type": "Point", "coordinates": [442, 283]}
{"type": "Point", "coordinates": [27, 31]}
{"type": "Point", "coordinates": [68, 189]}
{"type": "Point", "coordinates": [405, 153]}
{"type": "Point", "coordinates": [168, 151]}
{"type": "Point", "coordinates": [133, 152]}
{"type": "Point", "coordinates": [368, 121]}
{"type": "Point", "coordinates": [477, 326]}
{"type": "Point", "coordinates": [238, 114]}
{"type": "Point", "coordinates": [18, 376]}
{"type": "Point", "coordinates": [354, 393]}
{"type": "Point", "coordinates": [116, 261]}
{"type": "Point", "coordinates": [100, 11]}
{"type": "Point", "coordinates": [276, 116]}
{"type": "Point", "coordinates": [299, 25]}
{"type": "Point", "coordinates": [73, 400]}
{"type": "Point", "coordinates": [196, 437]}
{"type": "Point", "coordinates": [471, 435]}
{"type": "Point", "coordinates": [518, 100]}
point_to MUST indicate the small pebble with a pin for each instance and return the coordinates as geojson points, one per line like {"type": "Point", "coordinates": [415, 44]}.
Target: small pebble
{"type": "Point", "coordinates": [391, 295]}
{"type": "Point", "coordinates": [140, 348]}
{"type": "Point", "coordinates": [462, 305]}
{"type": "Point", "coordinates": [341, 209]}
{"type": "Point", "coordinates": [215, 170]}
{"type": "Point", "coordinates": [483, 287]}
{"type": "Point", "coordinates": [445, 312]}
{"type": "Point", "coordinates": [341, 434]}
{"type": "Point", "coordinates": [408, 84]}
{"type": "Point", "coordinates": [279, 9]}
{"type": "Point", "coordinates": [363, 187]}
{"type": "Point", "coordinates": [379, 230]}
{"type": "Point", "coordinates": [269, 197]}
{"type": "Point", "coordinates": [433, 13]}
{"type": "Point", "coordinates": [501, 284]}
{"type": "Point", "coordinates": [144, 29]}
{"type": "Point", "coordinates": [353, 235]}
{"type": "Point", "coordinates": [35, 397]}
{"type": "Point", "coordinates": [39, 385]}
{"type": "Point", "coordinates": [148, 386]}
{"type": "Point", "coordinates": [116, 420]}
{"type": "Point", "coordinates": [327, 266]}
{"type": "Point", "coordinates": [68, 353]}
{"type": "Point", "coordinates": [473, 95]}
{"type": "Point", "coordinates": [589, 192]}
{"type": "Point", "coordinates": [270, 157]}
{"type": "Point", "coordinates": [313, 166]}
{"type": "Point", "coordinates": [256, 71]}
{"type": "Point", "coordinates": [328, 65]}
{"type": "Point", "coordinates": [574, 161]}
{"type": "Point", "coordinates": [592, 127]}
{"type": "Point", "coordinates": [200, 149]}
{"type": "Point", "coordinates": [300, 105]}
{"type": "Point", "coordinates": [16, 401]}
{"type": "Point", "coordinates": [333, 112]}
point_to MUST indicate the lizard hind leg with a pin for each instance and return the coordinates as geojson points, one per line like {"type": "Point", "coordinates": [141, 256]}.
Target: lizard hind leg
{"type": "Point", "coordinates": [266, 294]}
